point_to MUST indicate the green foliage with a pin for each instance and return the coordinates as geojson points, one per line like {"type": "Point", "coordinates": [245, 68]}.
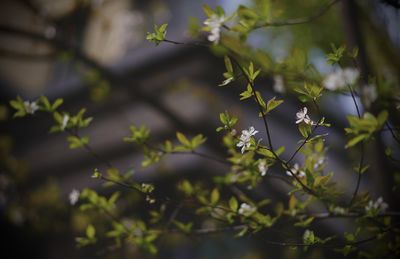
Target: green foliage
{"type": "Point", "coordinates": [363, 129]}
{"type": "Point", "coordinates": [138, 135]}
{"type": "Point", "coordinates": [251, 74]}
{"type": "Point", "coordinates": [18, 104]}
{"type": "Point", "coordinates": [236, 199]}
{"type": "Point", "coordinates": [219, 11]}
{"type": "Point", "coordinates": [227, 121]}
{"type": "Point", "coordinates": [247, 20]}
{"type": "Point", "coordinates": [158, 35]}
{"type": "Point", "coordinates": [229, 74]}
{"type": "Point", "coordinates": [89, 239]}
{"type": "Point", "coordinates": [91, 200]}
{"type": "Point", "coordinates": [336, 55]}
{"type": "Point", "coordinates": [184, 227]}
{"type": "Point", "coordinates": [189, 145]}
{"type": "Point", "coordinates": [309, 93]}
{"type": "Point", "coordinates": [272, 104]}
{"type": "Point", "coordinates": [47, 106]}
{"type": "Point", "coordinates": [77, 142]}
{"type": "Point", "coordinates": [65, 121]}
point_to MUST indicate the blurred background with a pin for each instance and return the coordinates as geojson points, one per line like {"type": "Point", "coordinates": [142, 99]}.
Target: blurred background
{"type": "Point", "coordinates": [93, 54]}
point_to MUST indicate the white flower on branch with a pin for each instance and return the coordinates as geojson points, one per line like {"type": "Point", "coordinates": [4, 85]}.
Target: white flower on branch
{"type": "Point", "coordinates": [379, 205]}
{"type": "Point", "coordinates": [64, 122]}
{"type": "Point", "coordinates": [214, 23]}
{"type": "Point", "coordinates": [302, 116]}
{"type": "Point", "coordinates": [246, 209]}
{"type": "Point", "coordinates": [340, 78]}
{"type": "Point", "coordinates": [245, 138]}
{"type": "Point", "coordinates": [31, 107]}
{"type": "Point", "coordinates": [74, 196]}
{"type": "Point", "coordinates": [296, 171]}
{"type": "Point", "coordinates": [262, 167]}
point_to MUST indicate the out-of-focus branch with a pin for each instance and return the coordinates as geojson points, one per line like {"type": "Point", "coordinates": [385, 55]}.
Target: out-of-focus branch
{"type": "Point", "coordinates": [302, 20]}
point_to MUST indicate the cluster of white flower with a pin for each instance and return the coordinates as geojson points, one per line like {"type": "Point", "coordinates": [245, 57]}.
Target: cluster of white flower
{"type": "Point", "coordinates": [214, 22]}
{"type": "Point", "coordinates": [246, 209]}
{"type": "Point", "coordinates": [369, 94]}
{"type": "Point", "coordinates": [296, 170]}
{"type": "Point", "coordinates": [340, 78]}
{"type": "Point", "coordinates": [74, 196]}
{"type": "Point", "coordinates": [64, 122]}
{"type": "Point", "coordinates": [262, 167]}
{"type": "Point", "coordinates": [339, 211]}
{"type": "Point", "coordinates": [31, 107]}
{"type": "Point", "coordinates": [379, 205]}
{"type": "Point", "coordinates": [302, 116]}
{"type": "Point", "coordinates": [279, 86]}
{"type": "Point", "coordinates": [245, 138]}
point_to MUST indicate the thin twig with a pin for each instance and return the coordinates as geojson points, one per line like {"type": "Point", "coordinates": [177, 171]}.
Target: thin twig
{"type": "Point", "coordinates": [392, 133]}
{"type": "Point", "coordinates": [89, 149]}
{"type": "Point", "coordinates": [361, 150]}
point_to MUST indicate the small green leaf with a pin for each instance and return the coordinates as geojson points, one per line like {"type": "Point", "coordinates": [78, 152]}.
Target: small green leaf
{"type": "Point", "coordinates": [356, 140]}
{"type": "Point", "coordinates": [90, 231]}
{"type": "Point", "coordinates": [214, 196]}
{"type": "Point", "coordinates": [183, 140]}
{"type": "Point", "coordinates": [272, 104]}
{"type": "Point", "coordinates": [233, 204]}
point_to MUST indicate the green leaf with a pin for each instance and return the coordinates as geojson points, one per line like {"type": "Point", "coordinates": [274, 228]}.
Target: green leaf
{"type": "Point", "coordinates": [214, 196]}
{"type": "Point", "coordinates": [242, 232]}
{"type": "Point", "coordinates": [90, 231]}
{"type": "Point", "coordinates": [76, 142]}
{"type": "Point", "coordinates": [228, 64]}
{"type": "Point", "coordinates": [57, 104]}
{"type": "Point", "coordinates": [246, 94]}
{"type": "Point", "coordinates": [304, 223]}
{"type": "Point", "coordinates": [207, 10]}
{"type": "Point", "coordinates": [158, 35]}
{"type": "Point", "coordinates": [305, 129]}
{"type": "Point", "coordinates": [356, 140]}
{"type": "Point", "coordinates": [197, 141]}
{"type": "Point", "coordinates": [233, 204]}
{"type": "Point", "coordinates": [45, 102]}
{"type": "Point", "coordinates": [272, 104]}
{"type": "Point", "coordinates": [183, 140]}
{"type": "Point", "coordinates": [18, 104]}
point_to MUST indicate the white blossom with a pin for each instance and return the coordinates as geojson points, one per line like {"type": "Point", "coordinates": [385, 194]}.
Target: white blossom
{"type": "Point", "coordinates": [279, 86]}
{"type": "Point", "coordinates": [31, 107]}
{"type": "Point", "coordinates": [245, 138]}
{"type": "Point", "coordinates": [319, 162]}
{"type": "Point", "coordinates": [369, 94]}
{"type": "Point", "coordinates": [64, 122]}
{"type": "Point", "coordinates": [340, 78]}
{"type": "Point", "coordinates": [339, 211]}
{"type": "Point", "coordinates": [296, 170]}
{"type": "Point", "coordinates": [302, 116]}
{"type": "Point", "coordinates": [246, 209]}
{"type": "Point", "coordinates": [262, 167]}
{"type": "Point", "coordinates": [379, 205]}
{"type": "Point", "coordinates": [74, 196]}
{"type": "Point", "coordinates": [214, 22]}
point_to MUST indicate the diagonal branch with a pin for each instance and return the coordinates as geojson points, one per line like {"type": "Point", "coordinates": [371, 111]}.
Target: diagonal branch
{"type": "Point", "coordinates": [302, 20]}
